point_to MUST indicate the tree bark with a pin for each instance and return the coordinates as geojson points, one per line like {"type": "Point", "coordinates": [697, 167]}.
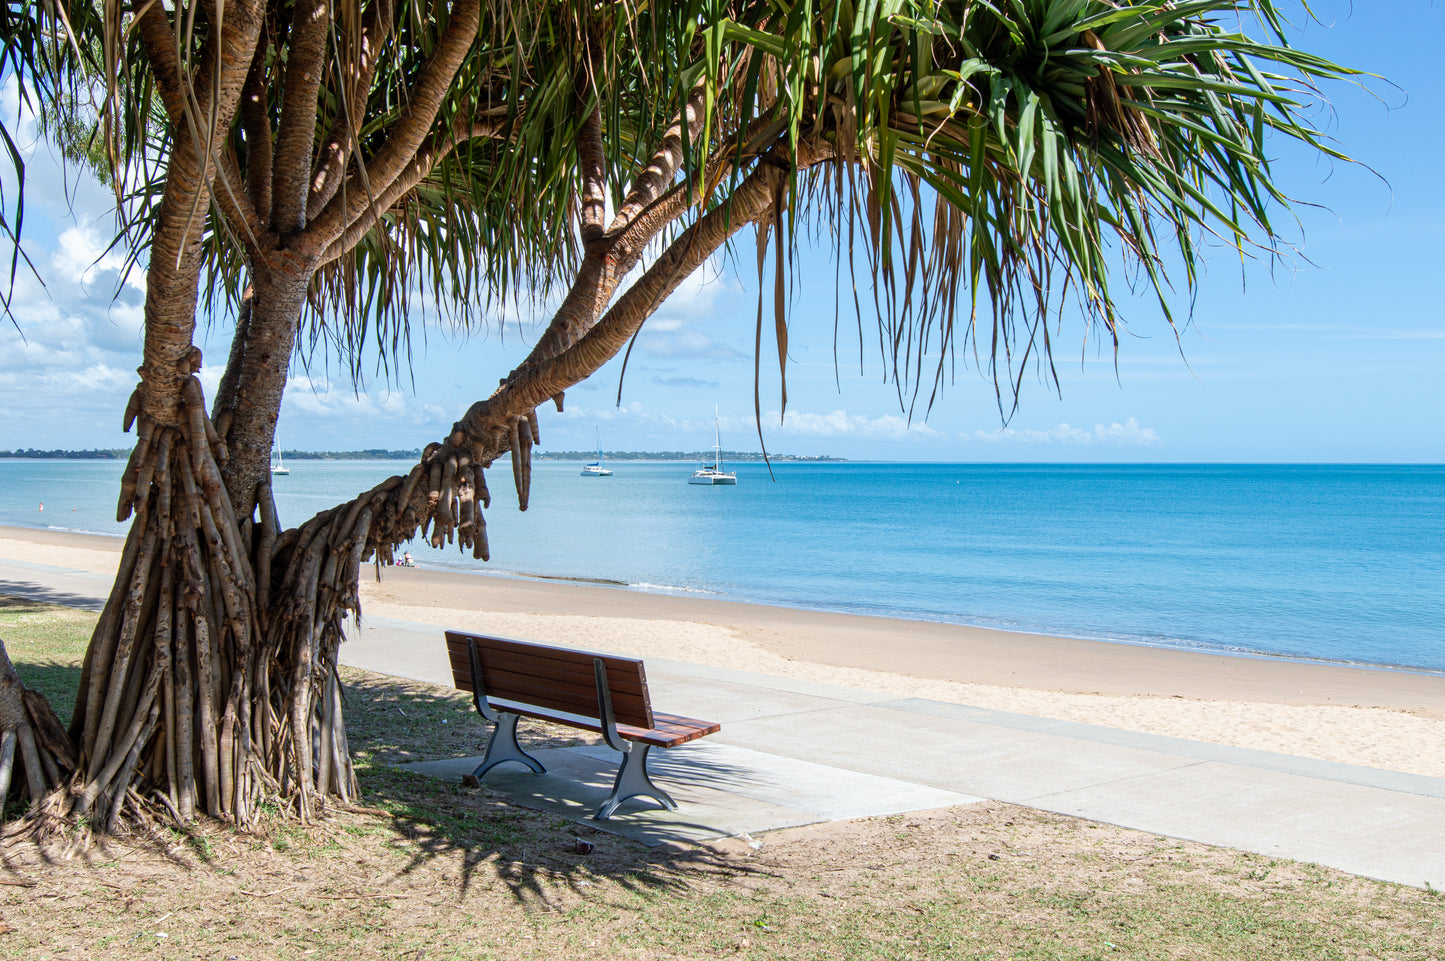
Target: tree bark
{"type": "Point", "coordinates": [279, 287]}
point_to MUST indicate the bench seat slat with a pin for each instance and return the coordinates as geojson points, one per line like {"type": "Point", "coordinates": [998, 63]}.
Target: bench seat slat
{"type": "Point", "coordinates": [671, 730]}
{"type": "Point", "coordinates": [526, 652]}
{"type": "Point", "coordinates": [563, 695]}
{"type": "Point", "coordinates": [497, 673]}
{"type": "Point", "coordinates": [544, 697]}
{"type": "Point", "coordinates": [674, 729]}
{"type": "Point", "coordinates": [624, 674]}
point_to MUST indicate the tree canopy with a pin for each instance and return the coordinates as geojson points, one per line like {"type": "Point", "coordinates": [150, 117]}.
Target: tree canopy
{"type": "Point", "coordinates": [987, 158]}
{"type": "Point", "coordinates": [318, 171]}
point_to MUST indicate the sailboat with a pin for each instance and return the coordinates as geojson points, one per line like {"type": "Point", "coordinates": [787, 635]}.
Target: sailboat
{"type": "Point", "coordinates": [714, 474]}
{"type": "Point", "coordinates": [280, 466]}
{"type": "Point", "coordinates": [596, 469]}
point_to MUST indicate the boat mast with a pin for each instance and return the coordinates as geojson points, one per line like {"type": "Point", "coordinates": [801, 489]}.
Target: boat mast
{"type": "Point", "coordinates": [716, 442]}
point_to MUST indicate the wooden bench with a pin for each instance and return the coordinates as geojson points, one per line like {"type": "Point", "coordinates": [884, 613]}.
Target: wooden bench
{"type": "Point", "coordinates": [594, 692]}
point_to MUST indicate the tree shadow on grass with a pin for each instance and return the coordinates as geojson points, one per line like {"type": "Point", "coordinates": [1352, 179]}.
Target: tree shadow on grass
{"type": "Point", "coordinates": [26, 591]}
{"type": "Point", "coordinates": [537, 855]}
{"type": "Point", "coordinates": [394, 721]}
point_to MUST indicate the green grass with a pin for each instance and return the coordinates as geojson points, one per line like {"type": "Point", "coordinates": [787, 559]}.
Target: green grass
{"type": "Point", "coordinates": [47, 646]}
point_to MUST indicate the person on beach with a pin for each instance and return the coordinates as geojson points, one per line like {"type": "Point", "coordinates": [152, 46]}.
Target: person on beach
{"type": "Point", "coordinates": [406, 559]}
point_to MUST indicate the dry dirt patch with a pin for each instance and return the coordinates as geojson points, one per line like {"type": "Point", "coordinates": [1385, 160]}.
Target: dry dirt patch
{"type": "Point", "coordinates": [468, 876]}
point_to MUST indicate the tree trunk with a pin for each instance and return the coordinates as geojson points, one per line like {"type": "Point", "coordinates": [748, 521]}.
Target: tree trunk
{"type": "Point", "coordinates": [172, 664]}
{"type": "Point", "coordinates": [211, 681]}
{"type": "Point", "coordinates": [246, 416]}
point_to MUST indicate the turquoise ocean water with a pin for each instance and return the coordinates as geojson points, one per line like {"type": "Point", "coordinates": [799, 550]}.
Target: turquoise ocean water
{"type": "Point", "coordinates": [1342, 563]}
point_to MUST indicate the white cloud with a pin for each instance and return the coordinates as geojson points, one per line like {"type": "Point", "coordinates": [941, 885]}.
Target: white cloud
{"type": "Point", "coordinates": [629, 413]}
{"type": "Point", "coordinates": [67, 361]}
{"type": "Point", "coordinates": [67, 370]}
{"type": "Point", "coordinates": [841, 424]}
{"type": "Point", "coordinates": [676, 331]}
{"type": "Point", "coordinates": [686, 343]}
{"type": "Point", "coordinates": [691, 383]}
{"type": "Point", "coordinates": [82, 256]}
{"type": "Point", "coordinates": [1127, 434]}
{"type": "Point", "coordinates": [838, 424]}
{"type": "Point", "coordinates": [319, 399]}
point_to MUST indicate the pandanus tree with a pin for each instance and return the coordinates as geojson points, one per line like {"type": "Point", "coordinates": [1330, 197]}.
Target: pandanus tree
{"type": "Point", "coordinates": [317, 170]}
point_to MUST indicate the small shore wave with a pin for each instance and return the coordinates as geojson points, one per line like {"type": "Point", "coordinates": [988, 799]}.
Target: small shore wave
{"type": "Point", "coordinates": [1155, 641]}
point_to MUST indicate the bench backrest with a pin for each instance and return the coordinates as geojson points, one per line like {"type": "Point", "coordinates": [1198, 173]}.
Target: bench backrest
{"type": "Point", "coordinates": [552, 678]}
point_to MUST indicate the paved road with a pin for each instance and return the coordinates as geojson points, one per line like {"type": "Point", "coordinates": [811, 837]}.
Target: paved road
{"type": "Point", "coordinates": [794, 752]}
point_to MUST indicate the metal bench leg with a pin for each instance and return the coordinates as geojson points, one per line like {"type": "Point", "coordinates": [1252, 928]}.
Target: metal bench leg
{"type": "Point", "coordinates": [632, 781]}
{"type": "Point", "coordinates": [504, 747]}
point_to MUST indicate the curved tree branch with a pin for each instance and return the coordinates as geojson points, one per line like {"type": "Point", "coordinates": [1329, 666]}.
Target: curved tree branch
{"type": "Point", "coordinates": [291, 166]}
{"type": "Point", "coordinates": [171, 292]}
{"type": "Point", "coordinates": [234, 202]}
{"type": "Point", "coordinates": [256, 126]}
{"type": "Point", "coordinates": [591, 158]}
{"type": "Point", "coordinates": [159, 42]}
{"type": "Point", "coordinates": [408, 133]}
{"type": "Point", "coordinates": [355, 75]}
{"type": "Point", "coordinates": [656, 178]}
{"type": "Point", "coordinates": [416, 171]}
{"type": "Point", "coordinates": [541, 377]}
{"type": "Point", "coordinates": [611, 258]}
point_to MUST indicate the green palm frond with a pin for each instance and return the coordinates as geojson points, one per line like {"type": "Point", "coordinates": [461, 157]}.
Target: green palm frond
{"type": "Point", "coordinates": [998, 163]}
{"type": "Point", "coordinates": [1018, 153]}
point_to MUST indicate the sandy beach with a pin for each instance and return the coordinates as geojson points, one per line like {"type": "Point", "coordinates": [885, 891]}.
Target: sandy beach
{"type": "Point", "coordinates": [1387, 719]}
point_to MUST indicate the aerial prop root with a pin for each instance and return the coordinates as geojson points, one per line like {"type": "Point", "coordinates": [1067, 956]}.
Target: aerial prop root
{"type": "Point", "coordinates": [163, 717]}
{"type": "Point", "coordinates": [475, 534]}
{"type": "Point", "coordinates": [122, 759]}
{"type": "Point", "coordinates": [442, 497]}
{"type": "Point", "coordinates": [322, 562]}
{"type": "Point", "coordinates": [32, 734]}
{"type": "Point", "coordinates": [522, 434]}
{"type": "Point", "coordinates": [153, 440]}
{"type": "Point", "coordinates": [456, 493]}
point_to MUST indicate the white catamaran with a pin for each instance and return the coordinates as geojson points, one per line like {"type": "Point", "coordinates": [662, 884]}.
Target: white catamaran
{"type": "Point", "coordinates": [714, 474]}
{"type": "Point", "coordinates": [596, 469]}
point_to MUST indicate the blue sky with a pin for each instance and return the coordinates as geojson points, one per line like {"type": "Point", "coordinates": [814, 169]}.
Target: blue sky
{"type": "Point", "coordinates": [1335, 356]}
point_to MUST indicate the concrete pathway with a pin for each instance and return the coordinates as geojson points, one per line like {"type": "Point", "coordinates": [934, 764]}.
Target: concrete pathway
{"type": "Point", "coordinates": [794, 752]}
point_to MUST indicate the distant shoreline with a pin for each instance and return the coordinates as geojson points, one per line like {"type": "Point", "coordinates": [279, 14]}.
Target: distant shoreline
{"type": "Point", "coordinates": [377, 454]}
{"type": "Point", "coordinates": [674, 455]}
{"type": "Point", "coordinates": [93, 454]}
